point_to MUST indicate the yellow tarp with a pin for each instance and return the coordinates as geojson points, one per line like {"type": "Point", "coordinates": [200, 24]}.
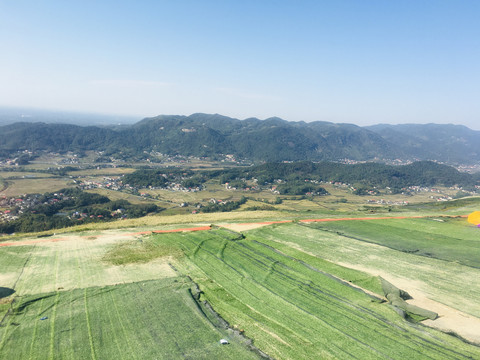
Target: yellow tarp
{"type": "Point", "coordinates": [474, 218]}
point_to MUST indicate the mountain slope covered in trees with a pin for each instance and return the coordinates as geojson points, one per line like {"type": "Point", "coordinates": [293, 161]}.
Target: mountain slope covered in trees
{"type": "Point", "coordinates": [273, 139]}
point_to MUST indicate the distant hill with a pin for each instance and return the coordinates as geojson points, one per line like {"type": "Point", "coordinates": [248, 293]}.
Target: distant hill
{"type": "Point", "coordinates": [273, 139]}
{"type": "Point", "coordinates": [11, 115]}
{"type": "Point", "coordinates": [450, 143]}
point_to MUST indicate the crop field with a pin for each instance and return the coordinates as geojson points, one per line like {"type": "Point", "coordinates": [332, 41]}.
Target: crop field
{"type": "Point", "coordinates": [34, 186]}
{"type": "Point", "coordinates": [298, 290]}
{"type": "Point", "coordinates": [23, 174]}
{"type": "Point", "coordinates": [109, 171]}
{"type": "Point", "coordinates": [118, 195]}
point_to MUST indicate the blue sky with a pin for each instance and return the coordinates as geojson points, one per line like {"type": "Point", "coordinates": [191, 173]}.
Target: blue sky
{"type": "Point", "coordinates": [361, 62]}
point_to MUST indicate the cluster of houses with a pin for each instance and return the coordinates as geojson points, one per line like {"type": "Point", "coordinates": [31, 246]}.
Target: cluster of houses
{"type": "Point", "coordinates": [110, 183]}
{"type": "Point", "coordinates": [76, 215]}
{"type": "Point", "coordinates": [116, 184]}
{"type": "Point", "coordinates": [228, 186]}
{"type": "Point", "coordinates": [16, 206]}
{"type": "Point", "coordinates": [9, 162]}
{"type": "Point", "coordinates": [386, 202]}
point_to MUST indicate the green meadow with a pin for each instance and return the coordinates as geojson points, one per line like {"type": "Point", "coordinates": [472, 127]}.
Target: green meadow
{"type": "Point", "coordinates": [285, 291]}
{"type": "Point", "coordinates": [139, 320]}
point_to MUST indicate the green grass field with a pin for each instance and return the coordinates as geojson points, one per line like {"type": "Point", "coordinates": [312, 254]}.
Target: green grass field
{"type": "Point", "coordinates": [295, 309]}
{"type": "Point", "coordinates": [96, 310]}
{"type": "Point", "coordinates": [448, 282]}
{"type": "Point", "coordinates": [155, 319]}
{"type": "Point", "coordinates": [441, 238]}
{"type": "Point", "coordinates": [298, 290]}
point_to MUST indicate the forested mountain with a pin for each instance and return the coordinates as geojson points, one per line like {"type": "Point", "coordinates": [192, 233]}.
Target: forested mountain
{"type": "Point", "coordinates": [273, 139]}
{"type": "Point", "coordinates": [451, 143]}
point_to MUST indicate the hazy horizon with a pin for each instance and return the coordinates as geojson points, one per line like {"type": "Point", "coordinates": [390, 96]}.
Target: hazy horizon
{"type": "Point", "coordinates": [343, 62]}
{"type": "Point", "coordinates": [89, 118]}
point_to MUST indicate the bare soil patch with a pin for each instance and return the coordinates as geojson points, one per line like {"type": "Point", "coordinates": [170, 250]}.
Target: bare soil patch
{"type": "Point", "coordinates": [249, 226]}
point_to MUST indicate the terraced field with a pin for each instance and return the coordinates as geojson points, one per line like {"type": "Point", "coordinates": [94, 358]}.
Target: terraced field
{"type": "Point", "coordinates": [437, 237]}
{"type": "Point", "coordinates": [447, 285]}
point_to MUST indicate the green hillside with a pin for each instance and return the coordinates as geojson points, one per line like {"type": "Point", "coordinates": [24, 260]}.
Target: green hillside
{"type": "Point", "coordinates": [273, 139]}
{"type": "Point", "coordinates": [296, 290]}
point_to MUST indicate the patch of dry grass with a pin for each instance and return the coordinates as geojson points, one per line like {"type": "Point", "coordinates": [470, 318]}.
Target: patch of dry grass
{"type": "Point", "coordinates": [34, 186]}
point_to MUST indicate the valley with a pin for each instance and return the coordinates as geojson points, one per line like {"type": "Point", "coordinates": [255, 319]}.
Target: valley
{"type": "Point", "coordinates": [190, 257]}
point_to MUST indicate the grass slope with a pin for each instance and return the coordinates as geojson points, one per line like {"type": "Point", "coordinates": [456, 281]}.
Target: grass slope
{"type": "Point", "coordinates": [295, 310]}
{"type": "Point", "coordinates": [156, 319]}
{"type": "Point", "coordinates": [447, 282]}
{"type": "Point", "coordinates": [451, 239]}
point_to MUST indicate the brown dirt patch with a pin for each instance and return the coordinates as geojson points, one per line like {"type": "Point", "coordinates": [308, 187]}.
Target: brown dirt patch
{"type": "Point", "coordinates": [250, 226]}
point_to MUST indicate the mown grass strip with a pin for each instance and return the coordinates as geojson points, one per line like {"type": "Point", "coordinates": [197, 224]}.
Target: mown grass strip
{"type": "Point", "coordinates": [156, 319]}
{"type": "Point", "coordinates": [131, 354]}
{"type": "Point", "coordinates": [89, 328]}
{"type": "Point", "coordinates": [35, 329]}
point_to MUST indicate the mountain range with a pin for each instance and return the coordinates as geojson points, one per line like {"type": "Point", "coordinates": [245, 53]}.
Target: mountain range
{"type": "Point", "coordinates": [273, 139]}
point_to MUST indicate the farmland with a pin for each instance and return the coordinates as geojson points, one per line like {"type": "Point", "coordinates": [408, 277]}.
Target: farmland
{"type": "Point", "coordinates": [298, 290]}
{"type": "Point", "coordinates": [275, 285]}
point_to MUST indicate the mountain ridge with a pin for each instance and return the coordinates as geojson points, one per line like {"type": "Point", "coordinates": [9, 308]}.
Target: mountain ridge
{"type": "Point", "coordinates": [272, 139]}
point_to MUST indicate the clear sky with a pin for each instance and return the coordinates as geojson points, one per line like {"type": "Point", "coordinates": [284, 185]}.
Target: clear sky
{"type": "Point", "coordinates": [361, 62]}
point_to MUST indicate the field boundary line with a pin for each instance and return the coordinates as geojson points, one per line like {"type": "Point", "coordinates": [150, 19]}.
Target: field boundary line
{"type": "Point", "coordinates": [268, 222]}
